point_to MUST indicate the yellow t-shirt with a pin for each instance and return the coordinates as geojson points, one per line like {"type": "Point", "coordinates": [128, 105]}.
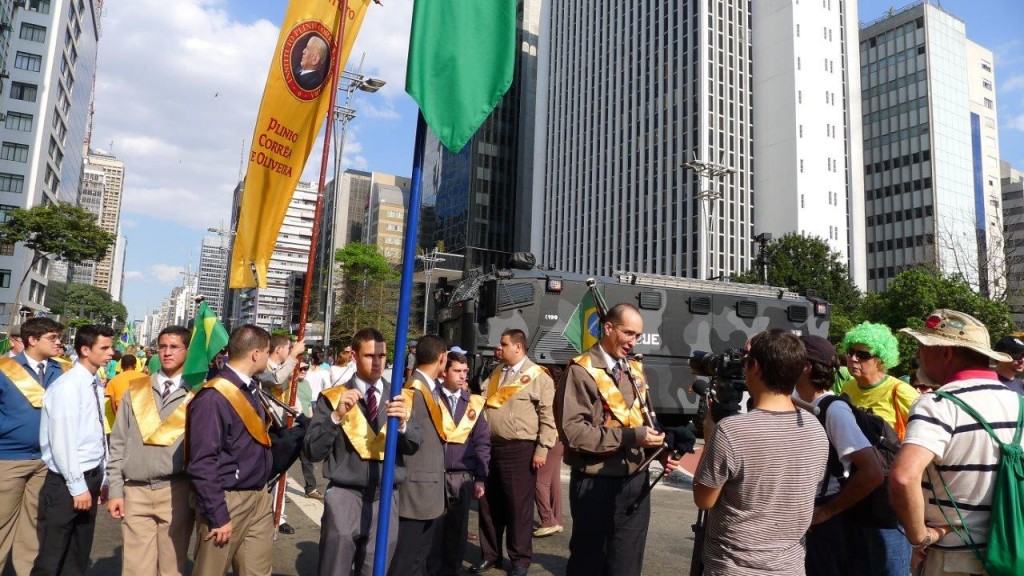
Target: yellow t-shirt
{"type": "Point", "coordinates": [879, 397]}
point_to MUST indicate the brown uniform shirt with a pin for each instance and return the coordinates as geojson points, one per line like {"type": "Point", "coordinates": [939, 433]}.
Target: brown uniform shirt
{"type": "Point", "coordinates": [590, 446]}
{"type": "Point", "coordinates": [528, 415]}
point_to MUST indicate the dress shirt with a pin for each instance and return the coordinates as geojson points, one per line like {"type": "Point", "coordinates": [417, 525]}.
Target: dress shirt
{"type": "Point", "coordinates": [382, 398]}
{"type": "Point", "coordinates": [508, 370]}
{"type": "Point", "coordinates": [70, 430]}
{"type": "Point", "coordinates": [175, 381]}
{"type": "Point", "coordinates": [449, 396]}
{"type": "Point", "coordinates": [608, 360]}
{"type": "Point", "coordinates": [431, 383]}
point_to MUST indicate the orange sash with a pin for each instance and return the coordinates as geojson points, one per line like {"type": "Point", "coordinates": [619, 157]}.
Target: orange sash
{"type": "Point", "coordinates": [369, 445]}
{"type": "Point", "coordinates": [497, 395]}
{"type": "Point", "coordinates": [442, 419]}
{"type": "Point", "coordinates": [154, 431]}
{"type": "Point", "coordinates": [23, 381]}
{"type": "Point", "coordinates": [631, 417]}
{"type": "Point", "coordinates": [255, 425]}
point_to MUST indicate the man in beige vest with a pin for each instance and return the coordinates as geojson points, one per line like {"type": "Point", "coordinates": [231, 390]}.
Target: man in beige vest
{"type": "Point", "coordinates": [519, 412]}
{"type": "Point", "coordinates": [148, 485]}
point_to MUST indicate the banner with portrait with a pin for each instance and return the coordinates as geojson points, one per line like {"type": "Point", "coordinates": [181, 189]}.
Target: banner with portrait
{"type": "Point", "coordinates": [295, 102]}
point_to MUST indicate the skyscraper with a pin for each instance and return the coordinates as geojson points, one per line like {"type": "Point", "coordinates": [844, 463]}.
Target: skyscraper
{"type": "Point", "coordinates": [45, 101]}
{"type": "Point", "coordinates": [100, 190]}
{"type": "Point", "coordinates": [630, 92]}
{"type": "Point", "coordinates": [213, 272]}
{"type": "Point", "coordinates": [920, 189]}
{"type": "Point", "coordinates": [479, 202]}
{"type": "Point", "coordinates": [807, 117]}
{"type": "Point", "coordinates": [1012, 185]}
{"type": "Point", "coordinates": [988, 215]}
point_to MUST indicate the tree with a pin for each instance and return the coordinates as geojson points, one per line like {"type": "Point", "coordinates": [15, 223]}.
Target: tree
{"type": "Point", "coordinates": [916, 292]}
{"type": "Point", "coordinates": [78, 303]}
{"type": "Point", "coordinates": [802, 263]}
{"type": "Point", "coordinates": [61, 231]}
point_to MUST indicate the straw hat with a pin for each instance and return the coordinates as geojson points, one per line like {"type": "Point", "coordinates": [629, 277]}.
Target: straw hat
{"type": "Point", "coordinates": [952, 328]}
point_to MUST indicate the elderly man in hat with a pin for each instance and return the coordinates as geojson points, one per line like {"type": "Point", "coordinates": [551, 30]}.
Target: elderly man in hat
{"type": "Point", "coordinates": [945, 448]}
{"type": "Point", "coordinates": [1009, 372]}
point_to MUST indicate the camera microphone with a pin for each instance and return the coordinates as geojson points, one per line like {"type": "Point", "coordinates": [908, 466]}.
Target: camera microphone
{"type": "Point", "coordinates": [700, 387]}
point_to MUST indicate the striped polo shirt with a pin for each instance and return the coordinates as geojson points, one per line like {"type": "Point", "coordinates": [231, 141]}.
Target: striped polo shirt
{"type": "Point", "coordinates": [966, 457]}
{"type": "Point", "coordinates": [768, 465]}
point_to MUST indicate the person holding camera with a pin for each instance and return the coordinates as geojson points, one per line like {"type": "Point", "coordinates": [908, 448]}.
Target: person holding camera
{"type": "Point", "coordinates": [829, 542]}
{"type": "Point", "coordinates": [759, 472]}
{"type": "Point", "coordinates": [601, 423]}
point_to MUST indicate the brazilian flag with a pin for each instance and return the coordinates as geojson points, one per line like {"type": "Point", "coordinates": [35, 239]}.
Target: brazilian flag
{"type": "Point", "coordinates": [127, 338]}
{"type": "Point", "coordinates": [584, 328]}
{"type": "Point", "coordinates": [208, 338]}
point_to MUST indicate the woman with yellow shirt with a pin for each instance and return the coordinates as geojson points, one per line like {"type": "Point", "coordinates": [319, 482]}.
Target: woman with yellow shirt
{"type": "Point", "coordinates": [871, 349]}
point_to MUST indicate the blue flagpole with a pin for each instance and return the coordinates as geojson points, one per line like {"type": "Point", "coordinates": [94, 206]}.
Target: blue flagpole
{"type": "Point", "coordinates": [412, 219]}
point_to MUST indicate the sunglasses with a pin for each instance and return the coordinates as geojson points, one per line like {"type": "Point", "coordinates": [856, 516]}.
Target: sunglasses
{"type": "Point", "coordinates": [861, 355]}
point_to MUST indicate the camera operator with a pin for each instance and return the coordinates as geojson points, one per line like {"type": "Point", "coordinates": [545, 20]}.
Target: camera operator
{"type": "Point", "coordinates": [830, 541]}
{"type": "Point", "coordinates": [759, 471]}
{"type": "Point", "coordinates": [599, 420]}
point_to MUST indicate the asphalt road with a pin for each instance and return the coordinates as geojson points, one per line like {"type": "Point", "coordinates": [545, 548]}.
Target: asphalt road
{"type": "Point", "coordinates": [668, 550]}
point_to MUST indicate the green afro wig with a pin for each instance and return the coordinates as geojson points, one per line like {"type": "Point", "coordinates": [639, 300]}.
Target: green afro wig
{"type": "Point", "coordinates": [879, 340]}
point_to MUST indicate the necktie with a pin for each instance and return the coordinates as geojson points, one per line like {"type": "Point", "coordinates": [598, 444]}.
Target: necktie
{"type": "Point", "coordinates": [371, 405]}
{"type": "Point", "coordinates": [38, 371]}
{"type": "Point", "coordinates": [95, 390]}
{"type": "Point", "coordinates": [453, 401]}
{"type": "Point", "coordinates": [167, 390]}
{"type": "Point", "coordinates": [507, 376]}
{"type": "Point", "coordinates": [616, 373]}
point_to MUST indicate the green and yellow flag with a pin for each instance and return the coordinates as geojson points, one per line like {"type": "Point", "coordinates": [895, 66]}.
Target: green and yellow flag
{"type": "Point", "coordinates": [208, 338]}
{"type": "Point", "coordinates": [584, 328]}
{"type": "Point", "coordinates": [127, 337]}
{"type": "Point", "coordinates": [295, 102]}
{"type": "Point", "coordinates": [461, 59]}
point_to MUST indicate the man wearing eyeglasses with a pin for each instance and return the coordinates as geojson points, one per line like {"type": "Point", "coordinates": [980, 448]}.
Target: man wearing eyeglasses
{"type": "Point", "coordinates": [149, 488]}
{"type": "Point", "coordinates": [1009, 372]}
{"type": "Point", "coordinates": [23, 379]}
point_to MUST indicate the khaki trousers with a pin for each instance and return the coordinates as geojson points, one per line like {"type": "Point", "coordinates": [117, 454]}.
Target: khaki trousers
{"type": "Point", "coordinates": [20, 482]}
{"type": "Point", "coordinates": [249, 551]}
{"type": "Point", "coordinates": [157, 527]}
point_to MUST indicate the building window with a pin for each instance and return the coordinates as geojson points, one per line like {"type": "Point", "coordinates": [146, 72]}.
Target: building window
{"type": "Point", "coordinates": [6, 249]}
{"type": "Point", "coordinates": [32, 32]}
{"type": "Point", "coordinates": [5, 210]}
{"type": "Point", "coordinates": [986, 66]}
{"type": "Point", "coordinates": [18, 121]}
{"type": "Point", "coordinates": [26, 61]}
{"type": "Point", "coordinates": [41, 6]}
{"type": "Point", "coordinates": [5, 278]}
{"type": "Point", "coordinates": [986, 85]}
{"type": "Point", "coordinates": [989, 103]}
{"type": "Point", "coordinates": [14, 152]}
{"type": "Point", "coordinates": [22, 91]}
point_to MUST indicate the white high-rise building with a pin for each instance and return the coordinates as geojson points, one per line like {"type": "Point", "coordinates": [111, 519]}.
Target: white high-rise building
{"type": "Point", "coordinates": [213, 271]}
{"type": "Point", "coordinates": [119, 249]}
{"type": "Point", "coordinates": [45, 106]}
{"type": "Point", "coordinates": [100, 191]}
{"type": "Point", "coordinates": [809, 176]}
{"type": "Point", "coordinates": [628, 93]}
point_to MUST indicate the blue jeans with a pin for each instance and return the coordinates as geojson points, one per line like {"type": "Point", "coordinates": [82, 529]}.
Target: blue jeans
{"type": "Point", "coordinates": [880, 551]}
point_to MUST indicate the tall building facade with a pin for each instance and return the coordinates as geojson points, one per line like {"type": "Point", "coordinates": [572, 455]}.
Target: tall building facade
{"type": "Point", "coordinates": [632, 91]}
{"type": "Point", "coordinates": [919, 185]}
{"type": "Point", "coordinates": [385, 220]}
{"type": "Point", "coordinates": [213, 272]}
{"type": "Point", "coordinates": [100, 190]}
{"type": "Point", "coordinates": [267, 307]}
{"type": "Point", "coordinates": [1011, 182]}
{"type": "Point", "coordinates": [479, 202]}
{"type": "Point", "coordinates": [120, 250]}
{"type": "Point", "coordinates": [807, 117]}
{"type": "Point", "coordinates": [988, 211]}
{"type": "Point", "coordinates": [45, 104]}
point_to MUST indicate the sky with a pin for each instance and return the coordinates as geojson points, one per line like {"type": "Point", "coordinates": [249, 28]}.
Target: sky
{"type": "Point", "coordinates": [179, 83]}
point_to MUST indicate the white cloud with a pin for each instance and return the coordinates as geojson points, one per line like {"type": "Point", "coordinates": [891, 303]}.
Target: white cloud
{"type": "Point", "coordinates": [165, 273]}
{"type": "Point", "coordinates": [134, 275]}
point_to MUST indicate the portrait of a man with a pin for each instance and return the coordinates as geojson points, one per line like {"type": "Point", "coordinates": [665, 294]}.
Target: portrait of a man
{"type": "Point", "coordinates": [311, 69]}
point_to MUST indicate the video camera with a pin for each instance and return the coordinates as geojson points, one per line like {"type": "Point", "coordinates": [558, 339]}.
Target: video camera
{"type": "Point", "coordinates": [726, 385]}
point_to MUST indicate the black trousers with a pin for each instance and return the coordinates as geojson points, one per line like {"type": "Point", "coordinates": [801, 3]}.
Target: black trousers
{"type": "Point", "coordinates": [605, 540]}
{"type": "Point", "coordinates": [65, 535]}
{"type": "Point", "coordinates": [449, 548]}
{"type": "Point", "coordinates": [507, 505]}
{"type": "Point", "coordinates": [415, 537]}
{"type": "Point", "coordinates": [827, 546]}
{"type": "Point", "coordinates": [308, 473]}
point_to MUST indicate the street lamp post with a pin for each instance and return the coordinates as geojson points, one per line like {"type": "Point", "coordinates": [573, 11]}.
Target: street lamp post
{"type": "Point", "coordinates": [430, 259]}
{"type": "Point", "coordinates": [706, 172]}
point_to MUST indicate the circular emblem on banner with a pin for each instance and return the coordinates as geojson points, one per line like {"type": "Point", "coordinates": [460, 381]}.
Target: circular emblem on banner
{"type": "Point", "coordinates": [306, 59]}
{"type": "Point", "coordinates": [471, 414]}
{"type": "Point", "coordinates": [524, 379]}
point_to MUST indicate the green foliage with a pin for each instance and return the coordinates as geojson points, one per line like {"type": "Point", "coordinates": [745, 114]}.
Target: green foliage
{"type": "Point", "coordinates": [62, 230]}
{"type": "Point", "coordinates": [802, 263]}
{"type": "Point", "coordinates": [84, 304]}
{"type": "Point", "coordinates": [282, 332]}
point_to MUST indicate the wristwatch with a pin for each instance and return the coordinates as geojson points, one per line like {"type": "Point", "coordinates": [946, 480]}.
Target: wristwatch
{"type": "Point", "coordinates": [928, 540]}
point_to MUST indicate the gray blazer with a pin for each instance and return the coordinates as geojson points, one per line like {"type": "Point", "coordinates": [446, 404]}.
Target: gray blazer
{"type": "Point", "coordinates": [422, 496]}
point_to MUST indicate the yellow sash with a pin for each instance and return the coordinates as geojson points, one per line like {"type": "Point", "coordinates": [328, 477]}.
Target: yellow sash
{"type": "Point", "coordinates": [154, 432]}
{"type": "Point", "coordinates": [369, 445]}
{"type": "Point", "coordinates": [442, 419]}
{"type": "Point", "coordinates": [631, 417]}
{"type": "Point", "coordinates": [255, 425]}
{"type": "Point", "coordinates": [497, 395]}
{"type": "Point", "coordinates": [23, 381]}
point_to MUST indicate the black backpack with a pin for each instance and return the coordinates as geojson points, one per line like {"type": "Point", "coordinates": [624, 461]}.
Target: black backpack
{"type": "Point", "coordinates": [875, 509]}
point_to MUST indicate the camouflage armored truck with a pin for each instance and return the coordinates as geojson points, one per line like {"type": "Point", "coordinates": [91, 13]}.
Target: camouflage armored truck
{"type": "Point", "coordinates": [680, 315]}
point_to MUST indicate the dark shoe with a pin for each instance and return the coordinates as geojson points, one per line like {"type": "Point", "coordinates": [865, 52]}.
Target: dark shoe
{"type": "Point", "coordinates": [484, 566]}
{"type": "Point", "coordinates": [286, 528]}
{"type": "Point", "coordinates": [519, 571]}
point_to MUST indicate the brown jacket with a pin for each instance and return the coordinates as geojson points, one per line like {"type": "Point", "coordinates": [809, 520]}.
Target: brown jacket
{"type": "Point", "coordinates": [528, 414]}
{"type": "Point", "coordinates": [590, 446]}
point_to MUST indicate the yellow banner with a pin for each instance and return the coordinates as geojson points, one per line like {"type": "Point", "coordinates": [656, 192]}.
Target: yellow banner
{"type": "Point", "coordinates": [295, 102]}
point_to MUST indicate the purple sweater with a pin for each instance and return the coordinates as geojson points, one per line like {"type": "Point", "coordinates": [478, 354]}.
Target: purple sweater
{"type": "Point", "coordinates": [222, 455]}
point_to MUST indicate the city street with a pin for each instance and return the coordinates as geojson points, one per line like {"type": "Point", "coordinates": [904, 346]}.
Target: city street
{"type": "Point", "coordinates": [669, 543]}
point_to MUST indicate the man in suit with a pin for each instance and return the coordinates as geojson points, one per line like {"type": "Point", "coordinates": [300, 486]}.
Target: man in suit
{"type": "Point", "coordinates": [149, 488]}
{"type": "Point", "coordinates": [422, 499]}
{"type": "Point", "coordinates": [229, 463]}
{"type": "Point", "coordinates": [467, 452]}
{"type": "Point", "coordinates": [519, 412]}
{"type": "Point", "coordinates": [311, 71]}
{"type": "Point", "coordinates": [348, 429]}
{"type": "Point", "coordinates": [23, 379]}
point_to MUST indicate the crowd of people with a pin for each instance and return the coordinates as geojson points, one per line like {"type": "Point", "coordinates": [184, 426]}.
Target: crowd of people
{"type": "Point", "coordinates": [796, 484]}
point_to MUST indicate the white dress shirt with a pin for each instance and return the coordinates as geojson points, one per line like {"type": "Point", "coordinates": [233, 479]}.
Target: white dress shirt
{"type": "Point", "coordinates": [162, 378]}
{"type": "Point", "coordinates": [71, 429]}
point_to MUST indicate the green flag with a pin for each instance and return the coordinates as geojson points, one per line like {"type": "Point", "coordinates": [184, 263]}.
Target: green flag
{"type": "Point", "coordinates": [461, 60]}
{"type": "Point", "coordinates": [208, 338]}
{"type": "Point", "coordinates": [127, 337]}
{"type": "Point", "coordinates": [5, 346]}
{"type": "Point", "coordinates": [584, 327]}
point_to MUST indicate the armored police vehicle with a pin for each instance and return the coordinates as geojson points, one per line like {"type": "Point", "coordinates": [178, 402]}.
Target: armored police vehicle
{"type": "Point", "coordinates": [680, 316]}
